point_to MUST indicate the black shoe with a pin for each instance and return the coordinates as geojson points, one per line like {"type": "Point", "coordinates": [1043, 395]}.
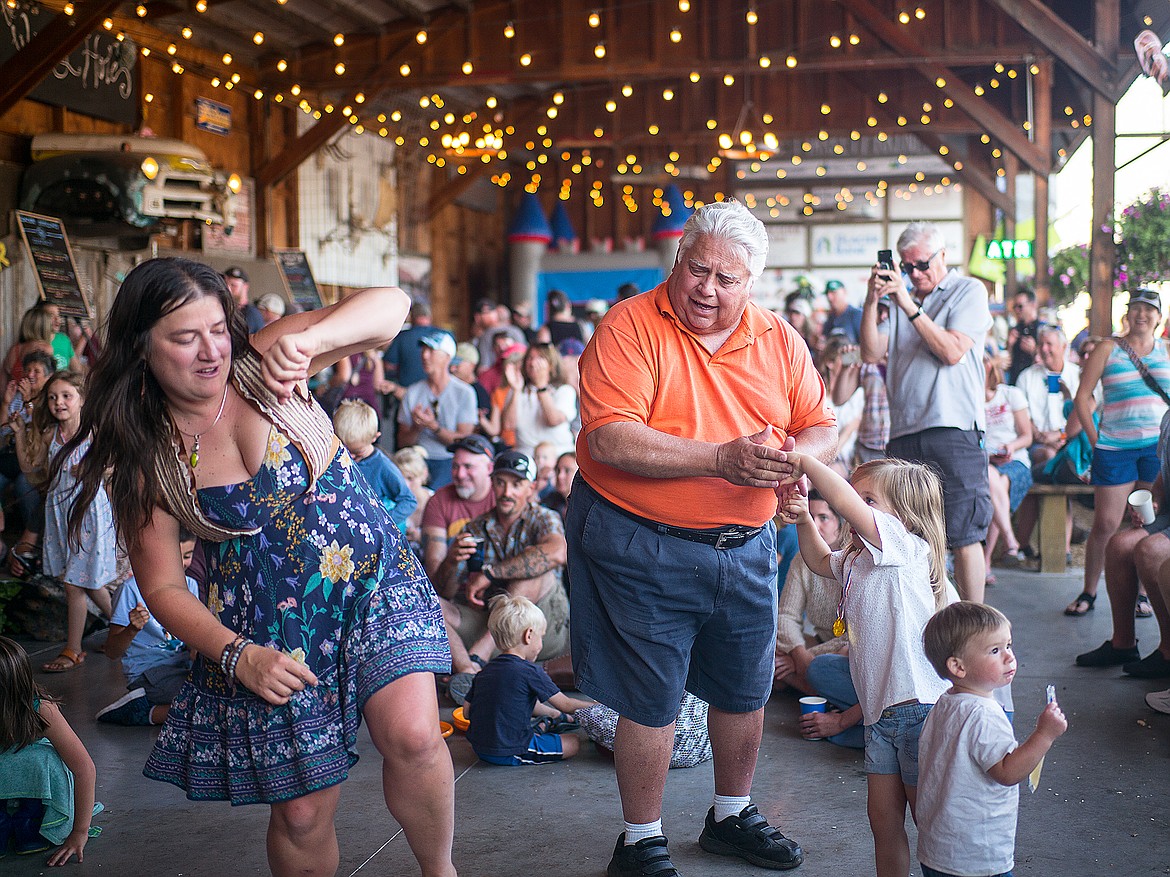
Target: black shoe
{"type": "Point", "coordinates": [1105, 655]}
{"type": "Point", "coordinates": [647, 858]}
{"type": "Point", "coordinates": [1152, 666]}
{"type": "Point", "coordinates": [750, 837]}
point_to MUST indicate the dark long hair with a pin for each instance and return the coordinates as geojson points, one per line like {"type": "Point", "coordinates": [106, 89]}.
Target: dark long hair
{"type": "Point", "coordinates": [20, 724]}
{"type": "Point", "coordinates": [125, 408]}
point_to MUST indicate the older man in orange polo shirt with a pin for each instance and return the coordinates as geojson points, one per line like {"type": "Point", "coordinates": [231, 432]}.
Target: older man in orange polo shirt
{"type": "Point", "coordinates": [688, 393]}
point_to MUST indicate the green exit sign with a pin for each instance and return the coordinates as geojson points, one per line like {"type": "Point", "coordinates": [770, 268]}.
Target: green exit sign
{"type": "Point", "coordinates": [1009, 249]}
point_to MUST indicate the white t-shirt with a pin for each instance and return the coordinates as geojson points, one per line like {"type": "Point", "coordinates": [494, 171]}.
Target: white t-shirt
{"type": "Point", "coordinates": [530, 428]}
{"type": "Point", "coordinates": [1001, 420]}
{"type": "Point", "coordinates": [966, 820]}
{"type": "Point", "coordinates": [888, 603]}
{"type": "Point", "coordinates": [1047, 409]}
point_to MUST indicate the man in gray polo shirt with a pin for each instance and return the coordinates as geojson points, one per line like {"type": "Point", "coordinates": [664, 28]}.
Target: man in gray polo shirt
{"type": "Point", "coordinates": [935, 381]}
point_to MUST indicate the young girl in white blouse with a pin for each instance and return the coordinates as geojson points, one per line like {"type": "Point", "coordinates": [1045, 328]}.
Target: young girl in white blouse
{"type": "Point", "coordinates": [893, 578]}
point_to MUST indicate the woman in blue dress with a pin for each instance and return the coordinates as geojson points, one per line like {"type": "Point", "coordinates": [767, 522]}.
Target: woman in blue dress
{"type": "Point", "coordinates": [318, 614]}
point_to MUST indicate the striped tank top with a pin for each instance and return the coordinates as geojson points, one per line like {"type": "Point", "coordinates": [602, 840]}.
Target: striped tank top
{"type": "Point", "coordinates": [1132, 412]}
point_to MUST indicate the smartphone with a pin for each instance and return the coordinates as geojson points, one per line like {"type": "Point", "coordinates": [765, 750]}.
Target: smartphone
{"type": "Point", "coordinates": [886, 260]}
{"type": "Point", "coordinates": [850, 357]}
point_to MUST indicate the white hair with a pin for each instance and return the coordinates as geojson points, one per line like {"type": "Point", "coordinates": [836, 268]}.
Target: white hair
{"type": "Point", "coordinates": [921, 233]}
{"type": "Point", "coordinates": [732, 222]}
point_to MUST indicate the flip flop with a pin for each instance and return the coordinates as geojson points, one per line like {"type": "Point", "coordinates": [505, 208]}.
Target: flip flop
{"type": "Point", "coordinates": [1144, 609]}
{"type": "Point", "coordinates": [75, 659]}
{"type": "Point", "coordinates": [1082, 605]}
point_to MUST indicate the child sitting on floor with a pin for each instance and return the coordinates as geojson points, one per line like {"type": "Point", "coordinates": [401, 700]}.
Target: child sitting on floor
{"type": "Point", "coordinates": [155, 663]}
{"type": "Point", "coordinates": [511, 689]}
{"type": "Point", "coordinates": [356, 424]}
{"type": "Point", "coordinates": [970, 765]}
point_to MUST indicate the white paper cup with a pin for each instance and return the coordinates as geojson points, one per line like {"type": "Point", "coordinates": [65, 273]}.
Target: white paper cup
{"type": "Point", "coordinates": [1143, 503]}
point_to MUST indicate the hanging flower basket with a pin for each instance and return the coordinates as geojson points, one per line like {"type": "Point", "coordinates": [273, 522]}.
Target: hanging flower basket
{"type": "Point", "coordinates": [1068, 273]}
{"type": "Point", "coordinates": [1143, 249]}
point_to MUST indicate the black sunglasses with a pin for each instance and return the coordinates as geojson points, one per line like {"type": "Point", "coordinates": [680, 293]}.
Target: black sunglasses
{"type": "Point", "coordinates": [921, 267]}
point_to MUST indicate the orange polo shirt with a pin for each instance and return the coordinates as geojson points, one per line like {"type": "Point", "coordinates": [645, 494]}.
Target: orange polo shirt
{"type": "Point", "coordinates": [643, 366]}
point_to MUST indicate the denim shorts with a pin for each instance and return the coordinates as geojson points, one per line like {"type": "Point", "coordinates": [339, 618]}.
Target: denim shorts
{"type": "Point", "coordinates": [653, 614]}
{"type": "Point", "coordinates": [1019, 476]}
{"type": "Point", "coordinates": [542, 749]}
{"type": "Point", "coordinates": [927, 871]}
{"type": "Point", "coordinates": [891, 743]}
{"type": "Point", "coordinates": [1122, 467]}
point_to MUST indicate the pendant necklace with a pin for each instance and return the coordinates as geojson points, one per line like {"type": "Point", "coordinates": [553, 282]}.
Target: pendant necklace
{"type": "Point", "coordinates": [194, 458]}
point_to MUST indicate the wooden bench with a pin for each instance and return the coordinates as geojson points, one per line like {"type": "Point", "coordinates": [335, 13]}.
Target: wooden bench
{"type": "Point", "coordinates": [1053, 500]}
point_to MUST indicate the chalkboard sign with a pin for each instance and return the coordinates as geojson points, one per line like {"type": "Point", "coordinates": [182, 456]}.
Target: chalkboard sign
{"type": "Point", "coordinates": [48, 248]}
{"type": "Point", "coordinates": [99, 79]}
{"type": "Point", "coordinates": [298, 278]}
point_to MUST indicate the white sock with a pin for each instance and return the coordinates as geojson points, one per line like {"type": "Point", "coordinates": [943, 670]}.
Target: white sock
{"type": "Point", "coordinates": [729, 805]}
{"type": "Point", "coordinates": [640, 831]}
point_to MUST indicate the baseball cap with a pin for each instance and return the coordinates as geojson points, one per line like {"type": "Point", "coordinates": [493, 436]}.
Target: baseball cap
{"type": "Point", "coordinates": [474, 444]}
{"type": "Point", "coordinates": [485, 304]}
{"type": "Point", "coordinates": [440, 341]}
{"type": "Point", "coordinates": [1145, 296]}
{"type": "Point", "coordinates": [237, 273]}
{"type": "Point", "coordinates": [515, 463]}
{"type": "Point", "coordinates": [834, 284]}
{"type": "Point", "coordinates": [465, 352]}
{"type": "Point", "coordinates": [272, 302]}
{"type": "Point", "coordinates": [516, 349]}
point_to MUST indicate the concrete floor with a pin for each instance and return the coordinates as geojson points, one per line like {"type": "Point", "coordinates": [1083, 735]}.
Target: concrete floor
{"type": "Point", "coordinates": [1102, 807]}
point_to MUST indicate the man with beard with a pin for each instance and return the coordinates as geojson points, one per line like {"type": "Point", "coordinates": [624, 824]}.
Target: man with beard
{"type": "Point", "coordinates": [468, 496]}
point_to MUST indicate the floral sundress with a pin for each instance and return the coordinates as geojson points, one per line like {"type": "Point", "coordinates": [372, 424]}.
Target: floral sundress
{"type": "Point", "coordinates": [328, 580]}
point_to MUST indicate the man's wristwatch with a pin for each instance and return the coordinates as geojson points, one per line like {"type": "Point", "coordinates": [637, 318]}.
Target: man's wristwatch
{"type": "Point", "coordinates": [918, 313]}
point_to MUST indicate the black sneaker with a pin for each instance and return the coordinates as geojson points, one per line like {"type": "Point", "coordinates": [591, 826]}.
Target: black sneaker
{"type": "Point", "coordinates": [647, 858]}
{"type": "Point", "coordinates": [1152, 666]}
{"type": "Point", "coordinates": [1107, 655]}
{"type": "Point", "coordinates": [131, 708]}
{"type": "Point", "coordinates": [750, 837]}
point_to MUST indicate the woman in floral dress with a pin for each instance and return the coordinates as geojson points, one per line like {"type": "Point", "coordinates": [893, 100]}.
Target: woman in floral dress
{"type": "Point", "coordinates": [320, 615]}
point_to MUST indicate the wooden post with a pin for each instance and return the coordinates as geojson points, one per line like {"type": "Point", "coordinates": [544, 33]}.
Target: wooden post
{"type": "Point", "coordinates": [1103, 251]}
{"type": "Point", "coordinates": [1042, 132]}
{"type": "Point", "coordinates": [1011, 280]}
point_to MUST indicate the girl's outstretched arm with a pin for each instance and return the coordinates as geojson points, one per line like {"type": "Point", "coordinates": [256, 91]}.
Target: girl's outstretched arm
{"type": "Point", "coordinates": [76, 758]}
{"type": "Point", "coordinates": [814, 550]}
{"type": "Point", "coordinates": [840, 496]}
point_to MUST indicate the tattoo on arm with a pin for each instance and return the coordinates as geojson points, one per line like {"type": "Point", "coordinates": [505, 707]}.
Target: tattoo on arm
{"type": "Point", "coordinates": [528, 564]}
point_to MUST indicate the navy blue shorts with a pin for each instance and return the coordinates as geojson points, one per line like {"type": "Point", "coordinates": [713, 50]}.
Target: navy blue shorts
{"type": "Point", "coordinates": [1123, 467]}
{"type": "Point", "coordinates": [542, 749]}
{"type": "Point", "coordinates": [653, 614]}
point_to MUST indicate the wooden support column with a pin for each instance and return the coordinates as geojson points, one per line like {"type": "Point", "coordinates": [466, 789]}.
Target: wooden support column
{"type": "Point", "coordinates": [1102, 250]}
{"type": "Point", "coordinates": [1042, 133]}
{"type": "Point", "coordinates": [1011, 279]}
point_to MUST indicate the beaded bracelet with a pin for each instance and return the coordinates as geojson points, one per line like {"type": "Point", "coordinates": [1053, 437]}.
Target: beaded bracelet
{"type": "Point", "coordinates": [234, 658]}
{"type": "Point", "coordinates": [226, 653]}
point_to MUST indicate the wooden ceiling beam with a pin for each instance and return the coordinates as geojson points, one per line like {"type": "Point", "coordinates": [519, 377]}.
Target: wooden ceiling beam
{"type": "Point", "coordinates": [455, 187]}
{"type": "Point", "coordinates": [21, 73]}
{"type": "Point", "coordinates": [1081, 56]}
{"type": "Point", "coordinates": [993, 121]}
{"type": "Point", "coordinates": [640, 70]}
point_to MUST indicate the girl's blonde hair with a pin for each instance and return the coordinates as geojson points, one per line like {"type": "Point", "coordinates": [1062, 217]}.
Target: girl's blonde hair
{"type": "Point", "coordinates": [915, 492]}
{"type": "Point", "coordinates": [510, 617]}
{"type": "Point", "coordinates": [412, 462]}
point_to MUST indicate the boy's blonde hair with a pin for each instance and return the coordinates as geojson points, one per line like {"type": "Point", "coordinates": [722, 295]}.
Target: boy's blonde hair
{"type": "Point", "coordinates": [915, 492]}
{"type": "Point", "coordinates": [355, 422]}
{"type": "Point", "coordinates": [412, 462]}
{"type": "Point", "coordinates": [510, 617]}
{"type": "Point", "coordinates": [951, 628]}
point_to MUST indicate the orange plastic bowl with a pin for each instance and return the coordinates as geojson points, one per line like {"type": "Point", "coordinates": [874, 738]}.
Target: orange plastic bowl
{"type": "Point", "coordinates": [446, 729]}
{"type": "Point", "coordinates": [459, 719]}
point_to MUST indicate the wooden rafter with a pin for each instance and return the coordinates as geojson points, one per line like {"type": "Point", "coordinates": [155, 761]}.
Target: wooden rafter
{"type": "Point", "coordinates": [1081, 56]}
{"type": "Point", "coordinates": [21, 73]}
{"type": "Point", "coordinates": [992, 120]}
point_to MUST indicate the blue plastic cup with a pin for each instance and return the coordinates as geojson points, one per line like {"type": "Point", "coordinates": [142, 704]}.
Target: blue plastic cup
{"type": "Point", "coordinates": [1053, 383]}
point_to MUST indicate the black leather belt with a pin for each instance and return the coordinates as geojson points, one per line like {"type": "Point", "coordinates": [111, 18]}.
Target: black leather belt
{"type": "Point", "coordinates": [722, 538]}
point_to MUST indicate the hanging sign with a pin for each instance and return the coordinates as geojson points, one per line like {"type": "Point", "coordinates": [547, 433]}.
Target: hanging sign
{"type": "Point", "coordinates": [52, 261]}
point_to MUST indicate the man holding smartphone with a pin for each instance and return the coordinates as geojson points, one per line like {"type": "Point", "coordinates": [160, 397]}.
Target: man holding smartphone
{"type": "Point", "coordinates": [935, 381]}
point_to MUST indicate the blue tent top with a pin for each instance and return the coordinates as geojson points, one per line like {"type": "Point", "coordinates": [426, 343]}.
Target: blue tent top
{"type": "Point", "coordinates": [671, 226]}
{"type": "Point", "coordinates": [529, 222]}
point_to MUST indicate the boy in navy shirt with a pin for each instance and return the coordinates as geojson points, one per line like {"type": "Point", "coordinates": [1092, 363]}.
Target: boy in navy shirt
{"type": "Point", "coordinates": [356, 424]}
{"type": "Point", "coordinates": [511, 689]}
